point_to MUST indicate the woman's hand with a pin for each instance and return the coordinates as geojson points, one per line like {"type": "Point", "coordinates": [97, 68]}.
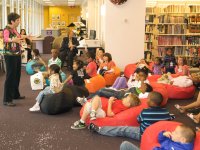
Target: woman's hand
{"type": "Point", "coordinates": [17, 40]}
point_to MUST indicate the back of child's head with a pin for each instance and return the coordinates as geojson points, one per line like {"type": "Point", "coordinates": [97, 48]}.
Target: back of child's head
{"type": "Point", "coordinates": [90, 55]}
{"type": "Point", "coordinates": [155, 98]}
{"type": "Point", "coordinates": [1, 29]}
{"type": "Point", "coordinates": [102, 49]}
{"type": "Point", "coordinates": [79, 63]}
{"type": "Point", "coordinates": [188, 133]}
{"type": "Point", "coordinates": [134, 100]}
{"type": "Point", "coordinates": [108, 55]}
{"type": "Point", "coordinates": [148, 88]}
{"type": "Point", "coordinates": [56, 69]}
{"type": "Point", "coordinates": [158, 60]}
{"type": "Point", "coordinates": [36, 52]}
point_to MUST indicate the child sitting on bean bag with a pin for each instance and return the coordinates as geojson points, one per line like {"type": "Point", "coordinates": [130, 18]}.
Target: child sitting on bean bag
{"type": "Point", "coordinates": [94, 109]}
{"type": "Point", "coordinates": [181, 81]}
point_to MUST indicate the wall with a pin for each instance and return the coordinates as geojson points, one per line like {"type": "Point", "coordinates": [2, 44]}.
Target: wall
{"type": "Point", "coordinates": [46, 16]}
{"type": "Point", "coordinates": [124, 31]}
{"type": "Point", "coordinates": [67, 14]}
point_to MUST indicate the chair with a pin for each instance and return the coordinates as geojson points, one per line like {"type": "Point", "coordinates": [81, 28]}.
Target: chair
{"type": "Point", "coordinates": [47, 44]}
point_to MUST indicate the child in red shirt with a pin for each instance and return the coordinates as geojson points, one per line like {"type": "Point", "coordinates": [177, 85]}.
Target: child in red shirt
{"type": "Point", "coordinates": [107, 65]}
{"type": "Point", "coordinates": [94, 108]}
{"type": "Point", "coordinates": [91, 68]}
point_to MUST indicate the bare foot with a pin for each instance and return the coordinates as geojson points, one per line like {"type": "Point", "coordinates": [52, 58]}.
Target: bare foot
{"type": "Point", "coordinates": [196, 119]}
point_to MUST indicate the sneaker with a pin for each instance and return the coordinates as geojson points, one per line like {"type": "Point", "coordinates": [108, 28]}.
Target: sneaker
{"type": "Point", "coordinates": [35, 107]}
{"type": "Point", "coordinates": [78, 125]}
{"type": "Point", "coordinates": [93, 115]}
{"type": "Point", "coordinates": [11, 104]}
{"type": "Point", "coordinates": [94, 128]}
{"type": "Point", "coordinates": [81, 100]}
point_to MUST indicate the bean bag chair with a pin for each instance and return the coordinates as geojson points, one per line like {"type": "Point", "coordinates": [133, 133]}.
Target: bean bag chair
{"type": "Point", "coordinates": [63, 76]}
{"type": "Point", "coordinates": [161, 88]}
{"type": "Point", "coordinates": [150, 136]}
{"type": "Point", "coordinates": [95, 83]}
{"type": "Point", "coordinates": [125, 118]}
{"type": "Point", "coordinates": [111, 77]}
{"type": "Point", "coordinates": [53, 104]}
{"type": "Point", "coordinates": [29, 68]}
{"type": "Point", "coordinates": [180, 93]}
{"type": "Point", "coordinates": [129, 69]}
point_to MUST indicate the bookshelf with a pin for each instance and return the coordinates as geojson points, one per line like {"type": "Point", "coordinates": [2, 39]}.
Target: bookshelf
{"type": "Point", "coordinates": [175, 26]}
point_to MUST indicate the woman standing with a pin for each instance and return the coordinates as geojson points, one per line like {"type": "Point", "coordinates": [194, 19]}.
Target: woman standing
{"type": "Point", "coordinates": [12, 40]}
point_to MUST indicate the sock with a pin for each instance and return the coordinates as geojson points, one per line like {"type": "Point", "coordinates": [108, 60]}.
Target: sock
{"type": "Point", "coordinates": [82, 121]}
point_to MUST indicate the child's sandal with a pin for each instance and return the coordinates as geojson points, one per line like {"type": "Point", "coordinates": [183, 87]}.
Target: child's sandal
{"type": "Point", "coordinates": [177, 106]}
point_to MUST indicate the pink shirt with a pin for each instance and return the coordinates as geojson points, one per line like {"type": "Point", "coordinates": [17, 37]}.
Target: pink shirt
{"type": "Point", "coordinates": [184, 70]}
{"type": "Point", "coordinates": [6, 34]}
{"type": "Point", "coordinates": [92, 66]}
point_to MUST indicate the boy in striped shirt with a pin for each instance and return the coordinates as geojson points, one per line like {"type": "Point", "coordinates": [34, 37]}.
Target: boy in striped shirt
{"type": "Point", "coordinates": [146, 118]}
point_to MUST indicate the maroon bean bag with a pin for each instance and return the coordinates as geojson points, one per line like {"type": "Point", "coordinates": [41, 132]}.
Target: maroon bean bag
{"type": "Point", "coordinates": [125, 118]}
{"type": "Point", "coordinates": [150, 136]}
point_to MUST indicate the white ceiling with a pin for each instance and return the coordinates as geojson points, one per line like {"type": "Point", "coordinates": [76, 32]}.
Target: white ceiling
{"type": "Point", "coordinates": [62, 2]}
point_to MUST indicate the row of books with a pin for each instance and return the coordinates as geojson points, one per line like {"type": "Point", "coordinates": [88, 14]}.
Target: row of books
{"type": "Point", "coordinates": [194, 8]}
{"type": "Point", "coordinates": [171, 40]}
{"type": "Point", "coordinates": [147, 46]}
{"type": "Point", "coordinates": [149, 28]}
{"type": "Point", "coordinates": [173, 29]}
{"type": "Point", "coordinates": [148, 37]}
{"type": "Point", "coordinates": [181, 51]}
{"type": "Point", "coordinates": [174, 8]}
{"type": "Point", "coordinates": [192, 40]}
{"type": "Point", "coordinates": [171, 19]}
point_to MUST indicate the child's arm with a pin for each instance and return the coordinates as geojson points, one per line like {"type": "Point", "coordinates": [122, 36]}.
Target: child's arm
{"type": "Point", "coordinates": [42, 61]}
{"type": "Point", "coordinates": [109, 110]}
{"type": "Point", "coordinates": [68, 79]}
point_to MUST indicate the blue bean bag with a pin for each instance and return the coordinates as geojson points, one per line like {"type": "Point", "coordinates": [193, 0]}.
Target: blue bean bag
{"type": "Point", "coordinates": [63, 76]}
{"type": "Point", "coordinates": [29, 67]}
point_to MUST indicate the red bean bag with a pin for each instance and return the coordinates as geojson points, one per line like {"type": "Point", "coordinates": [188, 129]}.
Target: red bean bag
{"type": "Point", "coordinates": [111, 77]}
{"type": "Point", "coordinates": [175, 92]}
{"type": "Point", "coordinates": [154, 78]}
{"type": "Point", "coordinates": [129, 69]}
{"type": "Point", "coordinates": [95, 83]}
{"type": "Point", "coordinates": [150, 136]}
{"type": "Point", "coordinates": [125, 118]}
{"type": "Point", "coordinates": [161, 88]}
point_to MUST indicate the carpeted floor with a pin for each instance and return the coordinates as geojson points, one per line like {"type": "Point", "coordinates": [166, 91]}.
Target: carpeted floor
{"type": "Point", "coordinates": [22, 130]}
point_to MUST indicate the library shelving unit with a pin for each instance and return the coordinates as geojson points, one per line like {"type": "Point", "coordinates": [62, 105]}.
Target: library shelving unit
{"type": "Point", "coordinates": [178, 28]}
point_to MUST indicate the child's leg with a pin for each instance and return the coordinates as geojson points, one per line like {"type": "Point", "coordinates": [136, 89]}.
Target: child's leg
{"type": "Point", "coordinates": [122, 84]}
{"type": "Point", "coordinates": [116, 82]}
{"type": "Point", "coordinates": [192, 105]}
{"type": "Point", "coordinates": [128, 146]}
{"type": "Point", "coordinates": [96, 103]}
{"type": "Point", "coordinates": [44, 92]}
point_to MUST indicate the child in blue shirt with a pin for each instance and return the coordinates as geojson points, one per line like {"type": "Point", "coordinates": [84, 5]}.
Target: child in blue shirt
{"type": "Point", "coordinates": [169, 61]}
{"type": "Point", "coordinates": [182, 138]}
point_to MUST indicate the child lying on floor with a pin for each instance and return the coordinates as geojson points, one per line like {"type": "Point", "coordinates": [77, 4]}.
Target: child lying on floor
{"type": "Point", "coordinates": [182, 138]}
{"type": "Point", "coordinates": [181, 81]}
{"type": "Point", "coordinates": [94, 108]}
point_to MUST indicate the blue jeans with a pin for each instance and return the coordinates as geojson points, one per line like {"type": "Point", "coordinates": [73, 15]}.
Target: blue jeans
{"type": "Point", "coordinates": [128, 146]}
{"type": "Point", "coordinates": [44, 92]}
{"type": "Point", "coordinates": [124, 131]}
{"type": "Point", "coordinates": [105, 92]}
